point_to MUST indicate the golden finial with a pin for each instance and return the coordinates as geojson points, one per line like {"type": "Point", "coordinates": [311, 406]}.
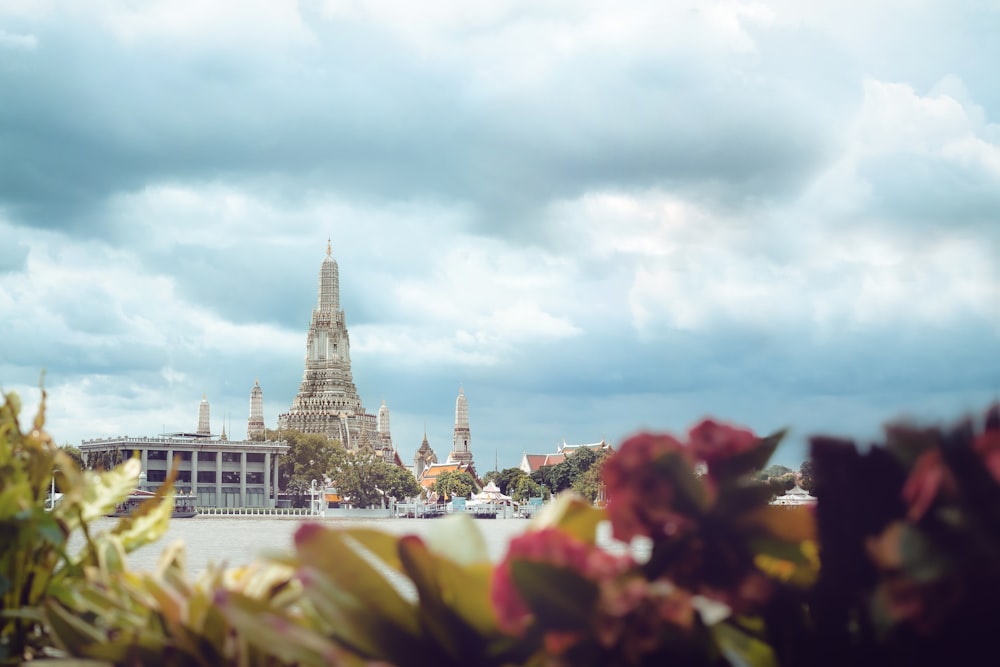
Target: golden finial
{"type": "Point", "coordinates": [329, 249]}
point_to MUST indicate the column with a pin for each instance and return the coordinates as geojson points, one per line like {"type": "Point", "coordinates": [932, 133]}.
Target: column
{"type": "Point", "coordinates": [243, 478]}
{"type": "Point", "coordinates": [144, 459]}
{"type": "Point", "coordinates": [194, 476]}
{"type": "Point", "coordinates": [218, 479]}
{"type": "Point", "coordinates": [277, 458]}
{"type": "Point", "coordinates": [170, 460]}
{"type": "Point", "coordinates": [268, 502]}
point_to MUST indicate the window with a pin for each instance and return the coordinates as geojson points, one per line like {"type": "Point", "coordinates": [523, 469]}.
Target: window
{"type": "Point", "coordinates": [206, 456]}
{"type": "Point", "coordinates": [255, 478]}
{"type": "Point", "coordinates": [206, 477]}
{"type": "Point", "coordinates": [229, 477]}
{"type": "Point", "coordinates": [157, 455]}
{"type": "Point", "coordinates": [183, 475]}
{"type": "Point", "coordinates": [230, 457]}
{"type": "Point", "coordinates": [255, 457]}
{"type": "Point", "coordinates": [184, 456]}
{"type": "Point", "coordinates": [156, 475]}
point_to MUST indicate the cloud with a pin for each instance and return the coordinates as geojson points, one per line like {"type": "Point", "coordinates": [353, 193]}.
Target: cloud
{"type": "Point", "coordinates": [17, 42]}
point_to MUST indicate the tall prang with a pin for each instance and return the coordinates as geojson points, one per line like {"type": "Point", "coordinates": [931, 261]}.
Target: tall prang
{"type": "Point", "coordinates": [462, 438]}
{"type": "Point", "coordinates": [255, 425]}
{"type": "Point", "coordinates": [328, 401]}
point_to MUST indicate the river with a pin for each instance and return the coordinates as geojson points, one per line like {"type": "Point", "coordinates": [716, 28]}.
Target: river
{"type": "Point", "coordinates": [238, 541]}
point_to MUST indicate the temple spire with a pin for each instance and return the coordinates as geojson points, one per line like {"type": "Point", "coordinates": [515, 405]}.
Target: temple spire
{"type": "Point", "coordinates": [462, 439]}
{"type": "Point", "coordinates": [204, 425]}
{"type": "Point", "coordinates": [329, 247]}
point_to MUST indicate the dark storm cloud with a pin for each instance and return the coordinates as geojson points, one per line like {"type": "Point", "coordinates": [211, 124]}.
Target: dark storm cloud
{"type": "Point", "coordinates": [361, 113]}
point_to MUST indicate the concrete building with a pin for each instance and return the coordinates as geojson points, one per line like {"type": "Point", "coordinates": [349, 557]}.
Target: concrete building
{"type": "Point", "coordinates": [221, 473]}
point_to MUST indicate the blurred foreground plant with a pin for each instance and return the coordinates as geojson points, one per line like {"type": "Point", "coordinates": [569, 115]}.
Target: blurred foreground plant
{"type": "Point", "coordinates": [705, 571]}
{"type": "Point", "coordinates": [35, 530]}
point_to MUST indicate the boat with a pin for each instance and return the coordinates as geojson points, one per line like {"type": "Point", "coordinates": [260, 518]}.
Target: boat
{"type": "Point", "coordinates": [184, 504]}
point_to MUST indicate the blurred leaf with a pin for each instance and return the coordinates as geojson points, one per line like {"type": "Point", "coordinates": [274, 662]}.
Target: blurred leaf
{"type": "Point", "coordinates": [458, 537]}
{"type": "Point", "coordinates": [785, 523]}
{"type": "Point", "coordinates": [560, 598]}
{"type": "Point", "coordinates": [571, 514]}
{"type": "Point", "coordinates": [752, 459]}
{"type": "Point", "coordinates": [742, 649]}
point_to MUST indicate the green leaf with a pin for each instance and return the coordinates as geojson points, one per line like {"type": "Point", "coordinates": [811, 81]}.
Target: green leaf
{"type": "Point", "coordinates": [458, 537]}
{"type": "Point", "coordinates": [571, 514]}
{"type": "Point", "coordinates": [560, 598]}
{"type": "Point", "coordinates": [741, 649]}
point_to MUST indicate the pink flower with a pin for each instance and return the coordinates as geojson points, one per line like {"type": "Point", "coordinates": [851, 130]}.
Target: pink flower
{"type": "Point", "coordinates": [713, 442]}
{"type": "Point", "coordinates": [553, 547]}
{"type": "Point", "coordinates": [640, 496]}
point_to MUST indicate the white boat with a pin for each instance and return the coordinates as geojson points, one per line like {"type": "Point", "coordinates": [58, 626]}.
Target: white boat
{"type": "Point", "coordinates": [184, 505]}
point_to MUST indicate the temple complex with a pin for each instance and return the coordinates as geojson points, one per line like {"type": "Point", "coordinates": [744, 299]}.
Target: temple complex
{"type": "Point", "coordinates": [328, 401]}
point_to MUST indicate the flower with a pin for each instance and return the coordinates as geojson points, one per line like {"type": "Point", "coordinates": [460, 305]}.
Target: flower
{"type": "Point", "coordinates": [552, 547]}
{"type": "Point", "coordinates": [641, 494]}
{"type": "Point", "coordinates": [714, 443]}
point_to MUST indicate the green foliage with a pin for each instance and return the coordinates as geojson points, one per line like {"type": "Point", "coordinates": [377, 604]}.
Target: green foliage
{"type": "Point", "coordinates": [398, 483]}
{"type": "Point", "coordinates": [569, 473]}
{"type": "Point", "coordinates": [508, 479]}
{"type": "Point", "coordinates": [367, 480]}
{"type": "Point", "coordinates": [455, 484]}
{"type": "Point", "coordinates": [35, 566]}
{"type": "Point", "coordinates": [588, 482]}
{"type": "Point", "coordinates": [806, 475]}
{"type": "Point", "coordinates": [310, 457]}
{"type": "Point", "coordinates": [909, 572]}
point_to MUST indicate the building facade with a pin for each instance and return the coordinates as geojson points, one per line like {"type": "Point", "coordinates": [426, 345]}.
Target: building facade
{"type": "Point", "coordinates": [221, 473]}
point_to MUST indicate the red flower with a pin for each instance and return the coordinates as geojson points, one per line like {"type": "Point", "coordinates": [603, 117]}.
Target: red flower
{"type": "Point", "coordinates": [553, 547]}
{"type": "Point", "coordinates": [713, 442]}
{"type": "Point", "coordinates": [640, 496]}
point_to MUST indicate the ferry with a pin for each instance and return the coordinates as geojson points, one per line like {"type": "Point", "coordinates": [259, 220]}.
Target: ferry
{"type": "Point", "coordinates": [184, 505]}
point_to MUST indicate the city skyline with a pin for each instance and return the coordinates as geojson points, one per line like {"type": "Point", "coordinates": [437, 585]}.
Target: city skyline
{"type": "Point", "coordinates": [594, 220]}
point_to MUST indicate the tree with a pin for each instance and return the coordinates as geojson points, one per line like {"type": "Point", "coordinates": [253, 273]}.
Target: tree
{"type": "Point", "coordinates": [806, 480]}
{"type": "Point", "coordinates": [588, 482]}
{"type": "Point", "coordinates": [508, 479]}
{"type": "Point", "coordinates": [455, 484]}
{"type": "Point", "coordinates": [309, 457]}
{"type": "Point", "coordinates": [398, 483]}
{"type": "Point", "coordinates": [359, 475]}
{"type": "Point", "coordinates": [525, 488]}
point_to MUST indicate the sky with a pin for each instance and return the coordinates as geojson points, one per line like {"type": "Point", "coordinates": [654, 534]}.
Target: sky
{"type": "Point", "coordinates": [593, 217]}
